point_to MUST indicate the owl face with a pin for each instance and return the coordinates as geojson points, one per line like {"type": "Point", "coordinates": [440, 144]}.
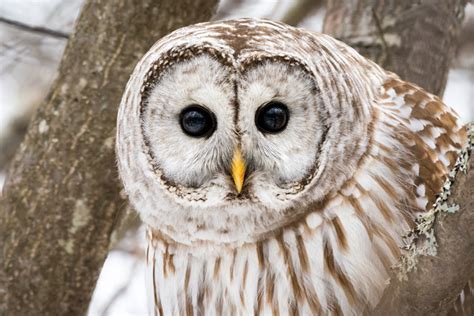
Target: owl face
{"type": "Point", "coordinates": [240, 136]}
{"type": "Point", "coordinates": [224, 140]}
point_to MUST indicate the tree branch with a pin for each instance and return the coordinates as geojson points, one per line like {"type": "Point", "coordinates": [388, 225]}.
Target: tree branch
{"type": "Point", "coordinates": [62, 198]}
{"type": "Point", "coordinates": [421, 36]}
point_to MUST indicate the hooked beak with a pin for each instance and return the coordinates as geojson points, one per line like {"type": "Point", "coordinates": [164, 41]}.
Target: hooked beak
{"type": "Point", "coordinates": [238, 168]}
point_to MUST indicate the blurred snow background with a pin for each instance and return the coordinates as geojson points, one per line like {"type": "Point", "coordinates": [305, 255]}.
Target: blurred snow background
{"type": "Point", "coordinates": [28, 63]}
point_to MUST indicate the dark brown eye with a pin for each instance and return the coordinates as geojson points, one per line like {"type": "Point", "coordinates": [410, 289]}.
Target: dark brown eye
{"type": "Point", "coordinates": [272, 117]}
{"type": "Point", "coordinates": [197, 121]}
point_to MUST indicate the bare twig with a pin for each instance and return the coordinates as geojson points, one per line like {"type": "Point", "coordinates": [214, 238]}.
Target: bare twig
{"type": "Point", "coordinates": [34, 29]}
{"type": "Point", "coordinates": [385, 58]}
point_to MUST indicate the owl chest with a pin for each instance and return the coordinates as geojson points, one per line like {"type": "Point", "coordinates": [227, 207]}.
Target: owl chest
{"type": "Point", "coordinates": [291, 274]}
{"type": "Point", "coordinates": [219, 286]}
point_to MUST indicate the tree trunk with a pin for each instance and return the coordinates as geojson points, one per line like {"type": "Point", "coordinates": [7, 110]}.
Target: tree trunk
{"type": "Point", "coordinates": [417, 40]}
{"type": "Point", "coordinates": [62, 195]}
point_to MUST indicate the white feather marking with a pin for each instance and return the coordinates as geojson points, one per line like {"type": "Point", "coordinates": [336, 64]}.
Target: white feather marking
{"type": "Point", "coordinates": [314, 220]}
{"type": "Point", "coordinates": [420, 190]}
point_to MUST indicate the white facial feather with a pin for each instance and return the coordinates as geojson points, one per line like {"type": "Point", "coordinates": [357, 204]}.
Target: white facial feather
{"type": "Point", "coordinates": [183, 159]}
{"type": "Point", "coordinates": [290, 155]}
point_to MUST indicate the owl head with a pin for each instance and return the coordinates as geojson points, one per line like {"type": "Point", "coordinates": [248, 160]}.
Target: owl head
{"type": "Point", "coordinates": [230, 130]}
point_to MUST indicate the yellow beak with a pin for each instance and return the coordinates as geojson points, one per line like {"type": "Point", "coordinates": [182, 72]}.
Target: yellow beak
{"type": "Point", "coordinates": [238, 168]}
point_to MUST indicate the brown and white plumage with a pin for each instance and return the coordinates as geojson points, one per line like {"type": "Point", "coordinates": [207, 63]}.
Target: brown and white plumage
{"type": "Point", "coordinates": [326, 202]}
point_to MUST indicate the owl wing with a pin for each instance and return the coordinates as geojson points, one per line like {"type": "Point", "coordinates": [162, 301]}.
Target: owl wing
{"type": "Point", "coordinates": [430, 130]}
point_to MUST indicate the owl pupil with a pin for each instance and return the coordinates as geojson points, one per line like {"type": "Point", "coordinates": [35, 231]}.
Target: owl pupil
{"type": "Point", "coordinates": [272, 117]}
{"type": "Point", "coordinates": [196, 121]}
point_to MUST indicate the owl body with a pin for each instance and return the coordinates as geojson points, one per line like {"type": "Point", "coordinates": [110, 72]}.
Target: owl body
{"type": "Point", "coordinates": [336, 156]}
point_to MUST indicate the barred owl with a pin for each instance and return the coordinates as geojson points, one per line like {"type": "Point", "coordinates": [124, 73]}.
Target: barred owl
{"type": "Point", "coordinates": [276, 169]}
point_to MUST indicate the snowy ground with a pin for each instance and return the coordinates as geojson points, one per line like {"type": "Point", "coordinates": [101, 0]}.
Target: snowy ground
{"type": "Point", "coordinates": [121, 287]}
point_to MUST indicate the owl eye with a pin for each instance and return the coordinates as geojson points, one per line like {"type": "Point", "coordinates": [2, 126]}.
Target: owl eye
{"type": "Point", "coordinates": [272, 117]}
{"type": "Point", "coordinates": [196, 121]}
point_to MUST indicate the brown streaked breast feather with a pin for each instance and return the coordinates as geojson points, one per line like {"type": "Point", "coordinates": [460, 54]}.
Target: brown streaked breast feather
{"type": "Point", "coordinates": [156, 298]}
{"type": "Point", "coordinates": [244, 282]}
{"type": "Point", "coordinates": [290, 268]}
{"type": "Point", "coordinates": [333, 268]}
{"type": "Point", "coordinates": [217, 267]}
{"type": "Point", "coordinates": [302, 253]}
{"type": "Point", "coordinates": [340, 233]}
{"type": "Point", "coordinates": [187, 297]}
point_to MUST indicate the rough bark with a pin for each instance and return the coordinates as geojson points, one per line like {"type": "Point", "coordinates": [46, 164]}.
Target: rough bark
{"type": "Point", "coordinates": [417, 40]}
{"type": "Point", "coordinates": [62, 197]}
